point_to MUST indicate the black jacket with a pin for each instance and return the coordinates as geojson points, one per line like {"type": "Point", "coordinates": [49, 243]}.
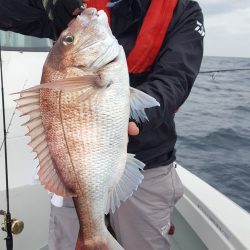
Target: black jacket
{"type": "Point", "coordinates": [172, 75]}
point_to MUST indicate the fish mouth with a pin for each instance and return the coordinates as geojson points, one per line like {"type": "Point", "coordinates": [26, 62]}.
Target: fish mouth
{"type": "Point", "coordinates": [92, 12]}
{"type": "Point", "coordinates": [112, 61]}
{"type": "Point", "coordinates": [88, 69]}
{"type": "Point", "coordinates": [108, 57]}
{"type": "Point", "coordinates": [100, 12]}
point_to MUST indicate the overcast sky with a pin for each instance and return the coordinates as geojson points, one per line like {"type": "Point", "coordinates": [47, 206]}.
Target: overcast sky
{"type": "Point", "coordinates": [227, 24]}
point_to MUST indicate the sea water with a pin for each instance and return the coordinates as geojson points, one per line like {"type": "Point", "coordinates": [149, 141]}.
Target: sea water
{"type": "Point", "coordinates": [213, 128]}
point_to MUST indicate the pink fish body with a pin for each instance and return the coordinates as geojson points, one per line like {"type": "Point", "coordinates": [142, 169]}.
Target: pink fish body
{"type": "Point", "coordinates": [78, 124]}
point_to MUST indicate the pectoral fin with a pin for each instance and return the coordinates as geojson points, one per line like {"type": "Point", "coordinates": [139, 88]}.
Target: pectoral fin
{"type": "Point", "coordinates": [138, 102]}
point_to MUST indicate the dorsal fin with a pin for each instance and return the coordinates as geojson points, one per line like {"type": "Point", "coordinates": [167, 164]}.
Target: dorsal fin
{"type": "Point", "coordinates": [29, 104]}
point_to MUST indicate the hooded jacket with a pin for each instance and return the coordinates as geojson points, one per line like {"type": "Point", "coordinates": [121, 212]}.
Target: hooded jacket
{"type": "Point", "coordinates": [171, 76]}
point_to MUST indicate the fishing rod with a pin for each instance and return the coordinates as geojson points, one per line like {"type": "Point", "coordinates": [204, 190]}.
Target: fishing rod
{"type": "Point", "coordinates": [222, 70]}
{"type": "Point", "coordinates": [10, 225]}
{"type": "Point", "coordinates": [214, 72]}
{"type": "Point", "coordinates": [7, 214]}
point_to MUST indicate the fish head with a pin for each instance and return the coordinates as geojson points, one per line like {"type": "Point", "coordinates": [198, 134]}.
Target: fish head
{"type": "Point", "coordinates": [85, 46]}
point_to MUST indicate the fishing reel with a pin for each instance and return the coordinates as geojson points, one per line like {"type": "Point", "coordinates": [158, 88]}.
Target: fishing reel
{"type": "Point", "coordinates": [16, 225]}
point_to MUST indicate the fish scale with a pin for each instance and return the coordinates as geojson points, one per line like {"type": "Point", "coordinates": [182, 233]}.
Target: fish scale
{"type": "Point", "coordinates": [89, 151]}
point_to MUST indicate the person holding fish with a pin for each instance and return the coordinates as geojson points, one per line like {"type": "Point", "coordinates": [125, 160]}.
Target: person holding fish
{"type": "Point", "coordinates": [163, 44]}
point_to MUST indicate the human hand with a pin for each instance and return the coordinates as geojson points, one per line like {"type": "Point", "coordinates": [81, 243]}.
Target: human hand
{"type": "Point", "coordinates": [63, 11]}
{"type": "Point", "coordinates": [133, 129]}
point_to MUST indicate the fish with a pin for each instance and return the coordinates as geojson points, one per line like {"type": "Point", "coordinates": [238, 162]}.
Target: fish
{"type": "Point", "coordinates": [78, 124]}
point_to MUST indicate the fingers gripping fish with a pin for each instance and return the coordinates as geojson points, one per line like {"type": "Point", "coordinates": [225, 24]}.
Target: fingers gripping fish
{"type": "Point", "coordinates": [79, 124]}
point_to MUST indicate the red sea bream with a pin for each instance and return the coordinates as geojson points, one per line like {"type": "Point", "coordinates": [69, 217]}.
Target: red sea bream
{"type": "Point", "coordinates": [78, 124]}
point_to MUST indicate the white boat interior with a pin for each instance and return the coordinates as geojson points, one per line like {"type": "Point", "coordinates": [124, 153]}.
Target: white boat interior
{"type": "Point", "coordinates": [204, 218]}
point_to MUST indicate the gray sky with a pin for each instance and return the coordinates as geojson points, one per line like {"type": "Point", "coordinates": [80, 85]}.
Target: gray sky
{"type": "Point", "coordinates": [227, 24]}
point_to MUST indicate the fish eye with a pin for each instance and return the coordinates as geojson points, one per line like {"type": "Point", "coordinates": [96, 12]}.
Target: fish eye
{"type": "Point", "coordinates": [68, 39]}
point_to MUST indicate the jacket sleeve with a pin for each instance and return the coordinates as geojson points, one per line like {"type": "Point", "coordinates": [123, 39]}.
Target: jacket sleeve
{"type": "Point", "coordinates": [27, 17]}
{"type": "Point", "coordinates": [176, 67]}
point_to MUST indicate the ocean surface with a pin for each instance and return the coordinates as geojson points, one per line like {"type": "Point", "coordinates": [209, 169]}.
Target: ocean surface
{"type": "Point", "coordinates": [213, 128]}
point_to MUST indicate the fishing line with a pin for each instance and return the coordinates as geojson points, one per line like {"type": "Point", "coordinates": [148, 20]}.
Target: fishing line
{"type": "Point", "coordinates": [8, 128]}
{"type": "Point", "coordinates": [214, 72]}
{"type": "Point", "coordinates": [222, 70]}
{"type": "Point", "coordinates": [11, 119]}
{"type": "Point", "coordinates": [9, 238]}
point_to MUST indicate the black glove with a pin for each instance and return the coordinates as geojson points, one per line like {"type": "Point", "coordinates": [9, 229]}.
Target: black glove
{"type": "Point", "coordinates": [61, 11]}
